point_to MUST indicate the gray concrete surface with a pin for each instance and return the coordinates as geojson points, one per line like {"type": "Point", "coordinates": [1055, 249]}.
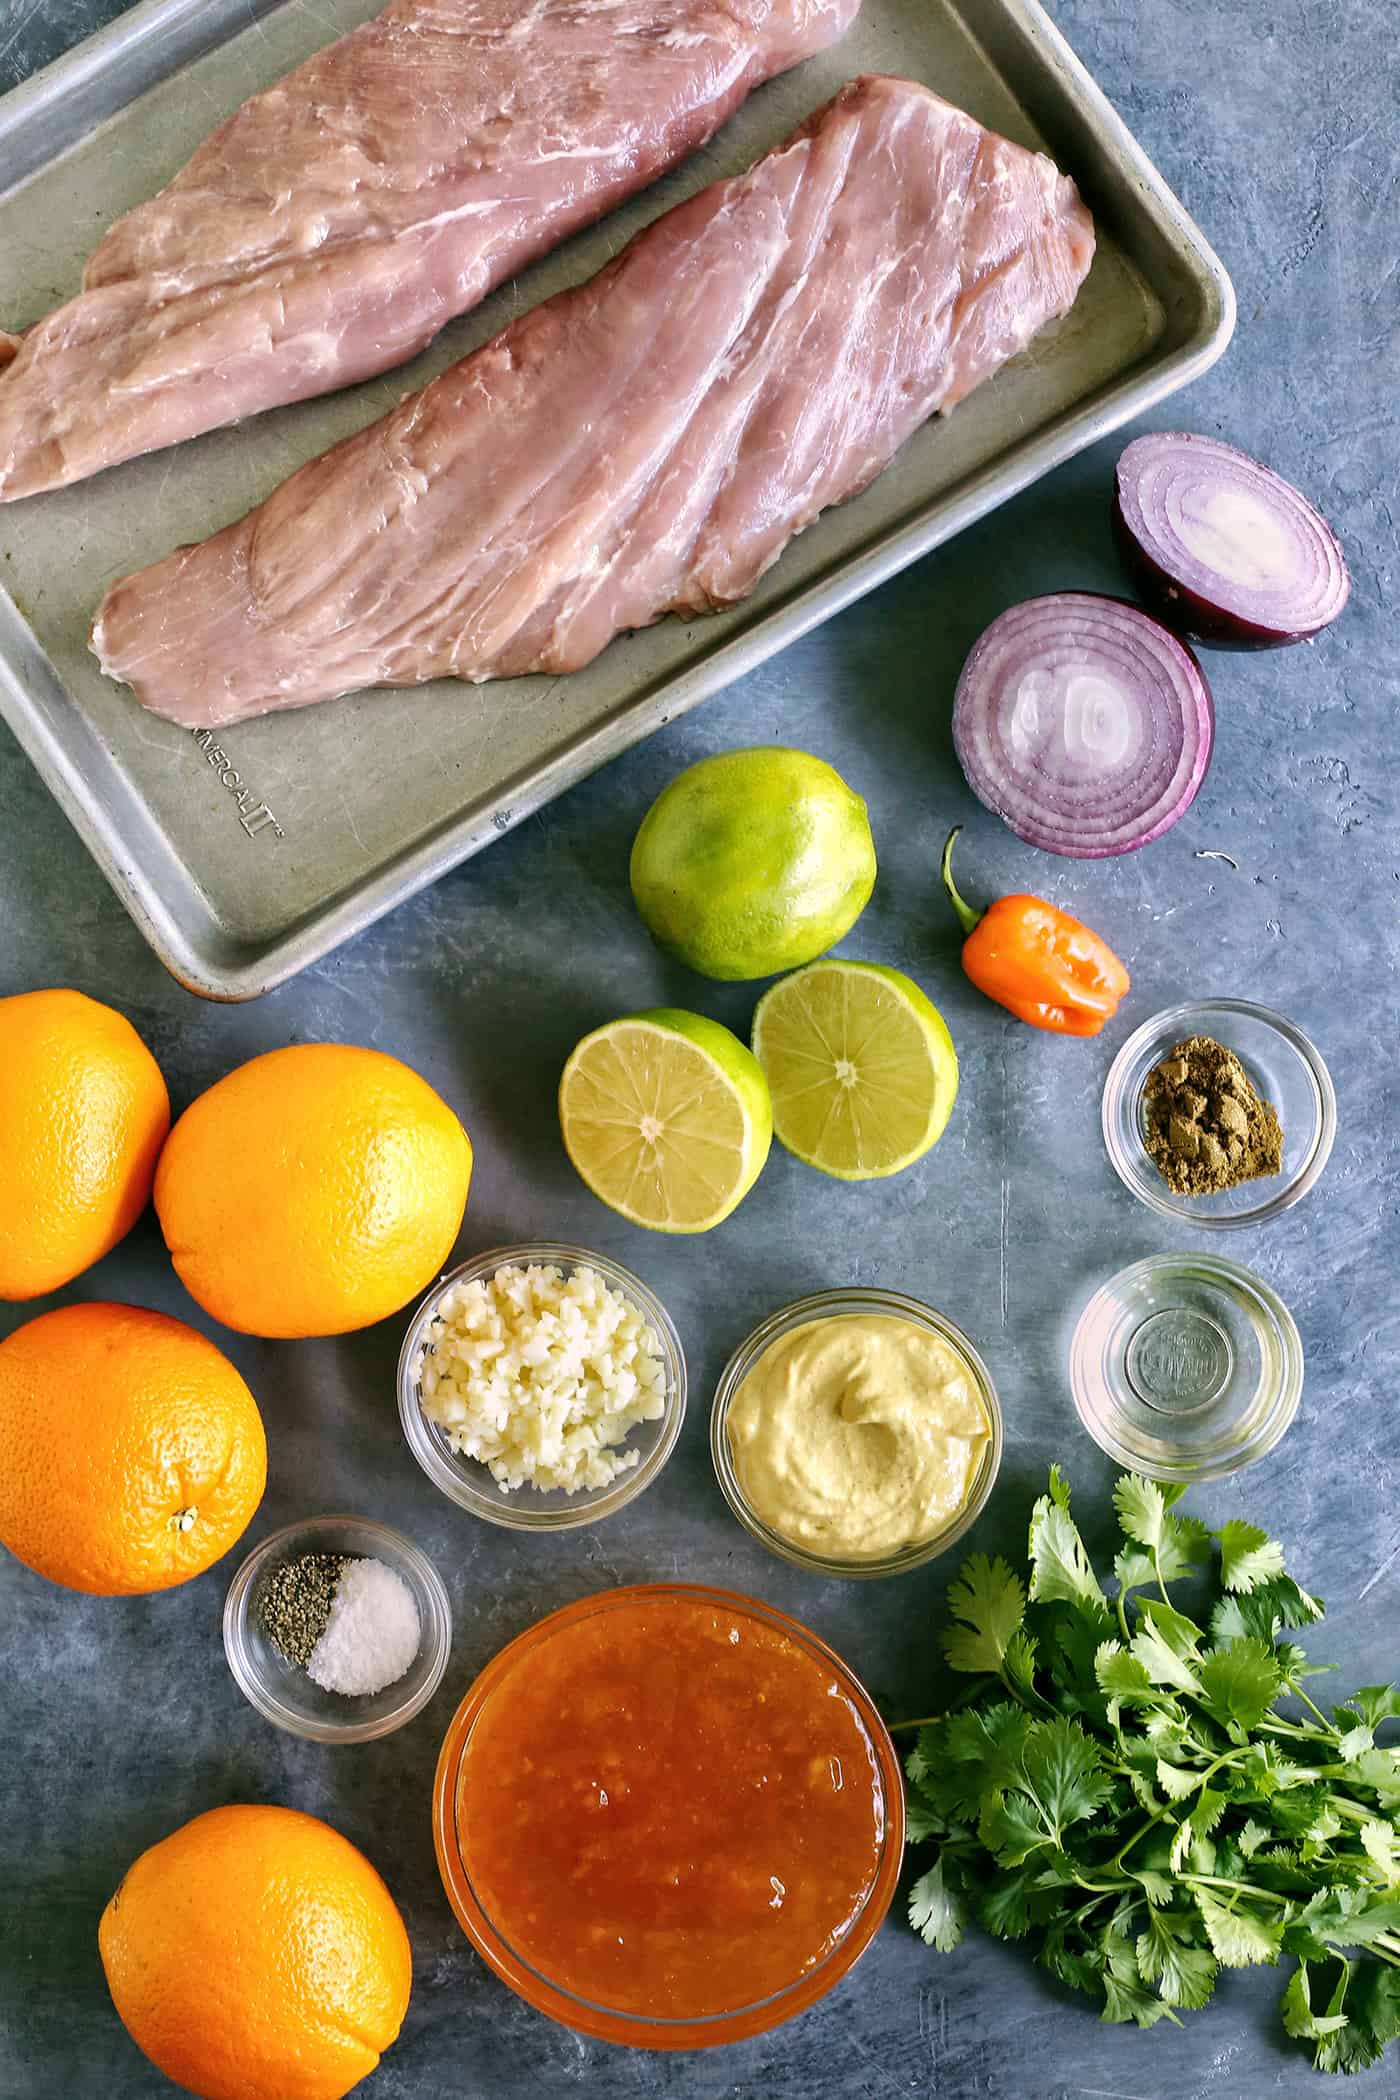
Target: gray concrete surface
{"type": "Point", "coordinates": [1278, 126]}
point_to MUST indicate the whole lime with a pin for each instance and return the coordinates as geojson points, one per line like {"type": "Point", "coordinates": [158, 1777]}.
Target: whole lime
{"type": "Point", "coordinates": [753, 861]}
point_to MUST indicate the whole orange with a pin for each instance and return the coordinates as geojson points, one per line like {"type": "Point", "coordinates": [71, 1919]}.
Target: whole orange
{"type": "Point", "coordinates": [313, 1190]}
{"type": "Point", "coordinates": [256, 1955]}
{"type": "Point", "coordinates": [134, 1454]}
{"type": "Point", "coordinates": [83, 1114]}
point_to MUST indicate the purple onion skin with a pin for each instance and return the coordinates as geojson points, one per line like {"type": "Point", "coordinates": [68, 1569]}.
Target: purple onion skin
{"type": "Point", "coordinates": [1043, 845]}
{"type": "Point", "coordinates": [1136, 845]}
{"type": "Point", "coordinates": [1185, 612]}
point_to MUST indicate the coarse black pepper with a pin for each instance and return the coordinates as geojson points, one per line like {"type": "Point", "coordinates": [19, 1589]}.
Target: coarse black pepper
{"type": "Point", "coordinates": [294, 1605]}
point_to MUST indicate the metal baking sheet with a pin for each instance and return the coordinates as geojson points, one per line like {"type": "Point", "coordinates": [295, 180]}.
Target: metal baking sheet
{"type": "Point", "coordinates": [245, 857]}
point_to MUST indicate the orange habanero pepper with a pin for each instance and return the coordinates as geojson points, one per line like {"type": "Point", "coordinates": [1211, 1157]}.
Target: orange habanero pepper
{"type": "Point", "coordinates": [1038, 962]}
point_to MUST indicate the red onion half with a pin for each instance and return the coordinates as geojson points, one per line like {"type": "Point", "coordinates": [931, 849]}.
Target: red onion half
{"type": "Point", "coordinates": [1226, 550]}
{"type": "Point", "coordinates": [1083, 723]}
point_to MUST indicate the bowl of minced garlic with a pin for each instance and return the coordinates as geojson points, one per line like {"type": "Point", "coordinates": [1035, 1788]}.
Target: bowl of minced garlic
{"type": "Point", "coordinates": [338, 1629]}
{"type": "Point", "coordinates": [856, 1432]}
{"type": "Point", "coordinates": [1220, 1113]}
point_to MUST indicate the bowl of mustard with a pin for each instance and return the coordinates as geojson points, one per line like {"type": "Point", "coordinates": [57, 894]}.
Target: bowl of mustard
{"type": "Point", "coordinates": [856, 1432]}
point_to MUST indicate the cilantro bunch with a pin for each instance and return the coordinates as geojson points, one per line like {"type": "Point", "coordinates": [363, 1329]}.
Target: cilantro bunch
{"type": "Point", "coordinates": [1120, 1788]}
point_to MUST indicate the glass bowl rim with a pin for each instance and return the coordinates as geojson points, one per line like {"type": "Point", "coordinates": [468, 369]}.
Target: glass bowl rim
{"type": "Point", "coordinates": [436, 1631]}
{"type": "Point", "coordinates": [639, 2030]}
{"type": "Point", "coordinates": [1119, 1115]}
{"type": "Point", "coordinates": [852, 1299]}
{"type": "Point", "coordinates": [1290, 1385]}
{"type": "Point", "coordinates": [448, 1472]}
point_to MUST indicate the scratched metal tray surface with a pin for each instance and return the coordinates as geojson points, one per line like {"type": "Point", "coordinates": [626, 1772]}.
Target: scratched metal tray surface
{"type": "Point", "coordinates": [246, 856]}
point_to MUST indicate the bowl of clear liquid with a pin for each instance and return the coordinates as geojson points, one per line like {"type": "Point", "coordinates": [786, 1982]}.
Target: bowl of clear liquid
{"type": "Point", "coordinates": [1186, 1367]}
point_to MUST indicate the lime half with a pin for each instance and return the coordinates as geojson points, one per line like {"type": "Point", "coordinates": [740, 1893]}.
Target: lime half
{"type": "Point", "coordinates": [666, 1116]}
{"type": "Point", "coordinates": [860, 1065]}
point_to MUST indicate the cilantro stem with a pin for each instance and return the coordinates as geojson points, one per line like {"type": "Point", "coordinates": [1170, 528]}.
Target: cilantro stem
{"type": "Point", "coordinates": [1276, 1726]}
{"type": "Point", "coordinates": [1348, 1807]}
{"type": "Point", "coordinates": [1157, 1571]}
{"type": "Point", "coordinates": [1327, 1728]}
{"type": "Point", "coordinates": [1245, 1888]}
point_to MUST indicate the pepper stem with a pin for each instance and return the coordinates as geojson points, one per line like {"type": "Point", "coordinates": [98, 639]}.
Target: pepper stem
{"type": "Point", "coordinates": [970, 919]}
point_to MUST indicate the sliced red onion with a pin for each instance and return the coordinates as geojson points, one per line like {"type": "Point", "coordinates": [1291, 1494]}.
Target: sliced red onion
{"type": "Point", "coordinates": [1083, 723]}
{"type": "Point", "coordinates": [1226, 550]}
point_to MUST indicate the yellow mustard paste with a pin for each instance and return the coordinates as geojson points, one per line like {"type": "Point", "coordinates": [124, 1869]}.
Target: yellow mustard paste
{"type": "Point", "coordinates": [858, 1435]}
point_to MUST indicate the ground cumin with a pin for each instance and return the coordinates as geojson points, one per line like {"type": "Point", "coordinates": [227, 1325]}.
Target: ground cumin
{"type": "Point", "coordinates": [1206, 1128]}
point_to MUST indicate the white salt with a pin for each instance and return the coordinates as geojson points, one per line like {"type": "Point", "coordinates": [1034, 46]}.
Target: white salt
{"type": "Point", "coordinates": [372, 1635]}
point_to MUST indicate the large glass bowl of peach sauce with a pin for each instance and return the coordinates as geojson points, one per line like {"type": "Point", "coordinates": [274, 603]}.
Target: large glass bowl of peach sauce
{"type": "Point", "coordinates": [669, 1816]}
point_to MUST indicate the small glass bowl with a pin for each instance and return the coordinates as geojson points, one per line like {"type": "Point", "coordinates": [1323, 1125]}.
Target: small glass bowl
{"type": "Point", "coordinates": [1284, 1067]}
{"type": "Point", "coordinates": [1186, 1367]}
{"type": "Point", "coordinates": [588, 2016]}
{"type": "Point", "coordinates": [468, 1483]}
{"type": "Point", "coordinates": [285, 1694]}
{"type": "Point", "coordinates": [824, 1305]}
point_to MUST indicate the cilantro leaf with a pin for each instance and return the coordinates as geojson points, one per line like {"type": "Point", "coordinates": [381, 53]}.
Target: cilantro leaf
{"type": "Point", "coordinates": [1166, 1645]}
{"type": "Point", "coordinates": [1186, 1545]}
{"type": "Point", "coordinates": [1060, 1568]}
{"type": "Point", "coordinates": [1350, 2049]}
{"type": "Point", "coordinates": [1133, 1569]}
{"type": "Point", "coordinates": [1299, 2019]}
{"type": "Point", "coordinates": [1123, 1676]}
{"type": "Point", "coordinates": [936, 1911]}
{"type": "Point", "coordinates": [1379, 1772]}
{"type": "Point", "coordinates": [1129, 2001]}
{"type": "Point", "coordinates": [1142, 1509]}
{"type": "Point", "coordinates": [1167, 1730]}
{"type": "Point", "coordinates": [919, 1764]}
{"type": "Point", "coordinates": [1266, 1771]}
{"type": "Point", "coordinates": [1209, 1808]}
{"type": "Point", "coordinates": [991, 1604]}
{"type": "Point", "coordinates": [1341, 1917]}
{"type": "Point", "coordinates": [1238, 1938]}
{"type": "Point", "coordinates": [1381, 1844]}
{"type": "Point", "coordinates": [1374, 1703]}
{"type": "Point", "coordinates": [1293, 1661]}
{"type": "Point", "coordinates": [1375, 2000]}
{"type": "Point", "coordinates": [1158, 1888]}
{"type": "Point", "coordinates": [1010, 1827]}
{"type": "Point", "coordinates": [1248, 1556]}
{"type": "Point", "coordinates": [989, 1743]}
{"type": "Point", "coordinates": [1075, 1959]}
{"type": "Point", "coordinates": [1064, 1771]}
{"type": "Point", "coordinates": [1170, 1955]}
{"type": "Point", "coordinates": [1005, 1908]}
{"type": "Point", "coordinates": [1021, 1659]}
{"type": "Point", "coordinates": [1174, 1543]}
{"type": "Point", "coordinates": [1176, 1783]}
{"type": "Point", "coordinates": [1182, 1635]}
{"type": "Point", "coordinates": [1264, 1611]}
{"type": "Point", "coordinates": [1240, 1683]}
{"type": "Point", "coordinates": [921, 1820]}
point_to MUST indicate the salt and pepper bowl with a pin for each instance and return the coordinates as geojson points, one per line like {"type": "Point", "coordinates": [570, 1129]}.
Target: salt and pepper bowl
{"type": "Point", "coordinates": [284, 1693]}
